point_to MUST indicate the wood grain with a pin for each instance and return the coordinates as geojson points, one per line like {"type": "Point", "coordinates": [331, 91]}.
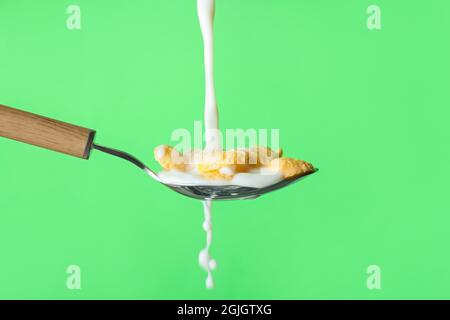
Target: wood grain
{"type": "Point", "coordinates": [45, 132]}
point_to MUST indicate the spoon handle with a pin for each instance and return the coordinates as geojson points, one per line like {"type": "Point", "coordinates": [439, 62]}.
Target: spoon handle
{"type": "Point", "coordinates": [45, 132]}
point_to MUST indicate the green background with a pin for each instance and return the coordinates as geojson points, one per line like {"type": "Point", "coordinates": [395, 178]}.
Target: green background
{"type": "Point", "coordinates": [369, 108]}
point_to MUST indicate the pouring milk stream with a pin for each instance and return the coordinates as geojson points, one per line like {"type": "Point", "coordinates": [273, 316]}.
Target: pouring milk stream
{"type": "Point", "coordinates": [205, 11]}
{"type": "Point", "coordinates": [257, 178]}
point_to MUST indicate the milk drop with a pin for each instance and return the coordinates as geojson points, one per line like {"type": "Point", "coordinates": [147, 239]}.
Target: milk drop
{"type": "Point", "coordinates": [204, 258]}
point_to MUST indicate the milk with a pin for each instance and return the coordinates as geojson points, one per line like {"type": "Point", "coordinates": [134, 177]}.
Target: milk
{"type": "Point", "coordinates": [258, 178]}
{"type": "Point", "coordinates": [204, 258]}
{"type": "Point", "coordinates": [205, 11]}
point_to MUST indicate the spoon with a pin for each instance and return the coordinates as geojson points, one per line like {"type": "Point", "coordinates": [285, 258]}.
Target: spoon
{"type": "Point", "coordinates": [79, 142]}
{"type": "Point", "coordinates": [205, 192]}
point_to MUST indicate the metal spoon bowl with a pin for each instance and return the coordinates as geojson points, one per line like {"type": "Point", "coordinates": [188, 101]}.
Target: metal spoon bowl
{"type": "Point", "coordinates": [230, 192]}
{"type": "Point", "coordinates": [227, 192]}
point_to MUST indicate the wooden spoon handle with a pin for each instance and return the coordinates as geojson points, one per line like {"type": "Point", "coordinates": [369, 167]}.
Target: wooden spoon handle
{"type": "Point", "coordinates": [45, 132]}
